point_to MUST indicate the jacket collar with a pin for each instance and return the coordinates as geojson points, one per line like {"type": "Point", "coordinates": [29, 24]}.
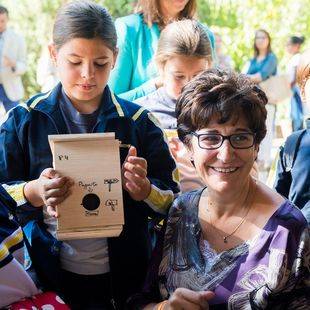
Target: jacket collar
{"type": "Point", "coordinates": [48, 104]}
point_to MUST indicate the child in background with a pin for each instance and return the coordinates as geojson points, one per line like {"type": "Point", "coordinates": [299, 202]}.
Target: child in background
{"type": "Point", "coordinates": [135, 74]}
{"type": "Point", "coordinates": [293, 48]}
{"type": "Point", "coordinates": [92, 273]}
{"type": "Point", "coordinates": [183, 51]}
{"type": "Point", "coordinates": [293, 170]}
{"type": "Point", "coordinates": [15, 283]}
{"type": "Point", "coordinates": [17, 288]}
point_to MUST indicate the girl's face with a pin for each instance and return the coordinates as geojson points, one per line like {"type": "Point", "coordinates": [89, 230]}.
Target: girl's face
{"type": "Point", "coordinates": [261, 40]}
{"type": "Point", "coordinates": [172, 8]}
{"type": "Point", "coordinates": [179, 70]}
{"type": "Point", "coordinates": [224, 168]}
{"type": "Point", "coordinates": [83, 67]}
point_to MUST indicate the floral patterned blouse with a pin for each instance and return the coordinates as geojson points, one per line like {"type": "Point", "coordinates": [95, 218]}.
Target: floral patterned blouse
{"type": "Point", "coordinates": [271, 271]}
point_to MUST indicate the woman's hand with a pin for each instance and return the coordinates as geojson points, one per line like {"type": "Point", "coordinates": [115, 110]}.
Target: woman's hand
{"type": "Point", "coordinates": [134, 172]}
{"type": "Point", "coordinates": [185, 299]}
{"type": "Point", "coordinates": [49, 189]}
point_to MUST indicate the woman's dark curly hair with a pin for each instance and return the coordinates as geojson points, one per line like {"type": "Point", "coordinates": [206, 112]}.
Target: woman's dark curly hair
{"type": "Point", "coordinates": [223, 95]}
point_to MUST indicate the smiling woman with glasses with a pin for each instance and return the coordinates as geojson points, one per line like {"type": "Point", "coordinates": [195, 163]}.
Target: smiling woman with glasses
{"type": "Point", "coordinates": [234, 244]}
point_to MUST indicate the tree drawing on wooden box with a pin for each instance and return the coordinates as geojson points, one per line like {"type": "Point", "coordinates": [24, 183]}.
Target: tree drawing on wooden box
{"type": "Point", "coordinates": [95, 206]}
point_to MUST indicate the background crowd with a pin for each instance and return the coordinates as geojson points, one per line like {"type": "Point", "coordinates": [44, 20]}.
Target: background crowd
{"type": "Point", "coordinates": [234, 22]}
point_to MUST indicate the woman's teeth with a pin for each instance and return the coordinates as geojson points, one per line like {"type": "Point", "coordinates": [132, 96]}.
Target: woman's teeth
{"type": "Point", "coordinates": [225, 170]}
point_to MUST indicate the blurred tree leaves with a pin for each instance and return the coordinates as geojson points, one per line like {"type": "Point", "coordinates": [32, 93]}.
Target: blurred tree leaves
{"type": "Point", "coordinates": [33, 19]}
{"type": "Point", "coordinates": [119, 8]}
{"type": "Point", "coordinates": [235, 20]}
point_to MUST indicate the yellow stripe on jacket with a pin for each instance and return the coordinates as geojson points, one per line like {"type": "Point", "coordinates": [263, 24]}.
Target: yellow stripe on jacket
{"type": "Point", "coordinates": [15, 238]}
{"type": "Point", "coordinates": [160, 200]}
{"type": "Point", "coordinates": [16, 191]}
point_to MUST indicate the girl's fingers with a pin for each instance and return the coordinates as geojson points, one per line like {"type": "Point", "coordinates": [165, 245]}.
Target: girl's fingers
{"type": "Point", "coordinates": [55, 201]}
{"type": "Point", "coordinates": [50, 173]}
{"type": "Point", "coordinates": [55, 183]}
{"type": "Point", "coordinates": [52, 211]}
{"type": "Point", "coordinates": [56, 192]}
{"type": "Point", "coordinates": [139, 161]}
{"type": "Point", "coordinates": [136, 169]}
{"type": "Point", "coordinates": [132, 178]}
{"type": "Point", "coordinates": [132, 188]}
{"type": "Point", "coordinates": [131, 152]}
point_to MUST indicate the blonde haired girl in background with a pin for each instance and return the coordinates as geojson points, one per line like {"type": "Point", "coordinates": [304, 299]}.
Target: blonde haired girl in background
{"type": "Point", "coordinates": [184, 50]}
{"type": "Point", "coordinates": [135, 74]}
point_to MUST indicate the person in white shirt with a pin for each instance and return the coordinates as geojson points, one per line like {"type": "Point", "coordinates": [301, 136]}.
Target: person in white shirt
{"type": "Point", "coordinates": [293, 48]}
{"type": "Point", "coordinates": [12, 63]}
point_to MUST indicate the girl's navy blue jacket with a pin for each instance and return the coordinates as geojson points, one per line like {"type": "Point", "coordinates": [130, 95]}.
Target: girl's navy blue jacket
{"type": "Point", "coordinates": [25, 152]}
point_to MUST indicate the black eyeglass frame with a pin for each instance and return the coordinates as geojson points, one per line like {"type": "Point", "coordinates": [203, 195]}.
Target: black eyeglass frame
{"type": "Point", "coordinates": [223, 139]}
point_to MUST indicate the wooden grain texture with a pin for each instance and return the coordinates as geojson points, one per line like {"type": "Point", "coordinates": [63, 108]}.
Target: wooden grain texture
{"type": "Point", "coordinates": [92, 161]}
{"type": "Point", "coordinates": [107, 231]}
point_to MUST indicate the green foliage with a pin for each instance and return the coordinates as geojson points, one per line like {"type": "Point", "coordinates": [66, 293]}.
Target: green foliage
{"type": "Point", "coordinates": [120, 7]}
{"type": "Point", "coordinates": [235, 20]}
{"type": "Point", "coordinates": [33, 19]}
{"type": "Point", "coordinates": [217, 13]}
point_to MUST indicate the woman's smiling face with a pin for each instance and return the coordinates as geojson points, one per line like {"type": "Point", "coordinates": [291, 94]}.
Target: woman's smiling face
{"type": "Point", "coordinates": [224, 168]}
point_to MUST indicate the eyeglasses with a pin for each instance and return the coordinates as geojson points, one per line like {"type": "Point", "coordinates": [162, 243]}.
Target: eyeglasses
{"type": "Point", "coordinates": [212, 141]}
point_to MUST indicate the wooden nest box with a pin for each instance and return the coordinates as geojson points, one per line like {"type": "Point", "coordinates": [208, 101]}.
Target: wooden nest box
{"type": "Point", "coordinates": [95, 207]}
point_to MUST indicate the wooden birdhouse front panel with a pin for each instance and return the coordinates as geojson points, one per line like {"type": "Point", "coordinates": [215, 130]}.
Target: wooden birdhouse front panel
{"type": "Point", "coordinates": [95, 206]}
